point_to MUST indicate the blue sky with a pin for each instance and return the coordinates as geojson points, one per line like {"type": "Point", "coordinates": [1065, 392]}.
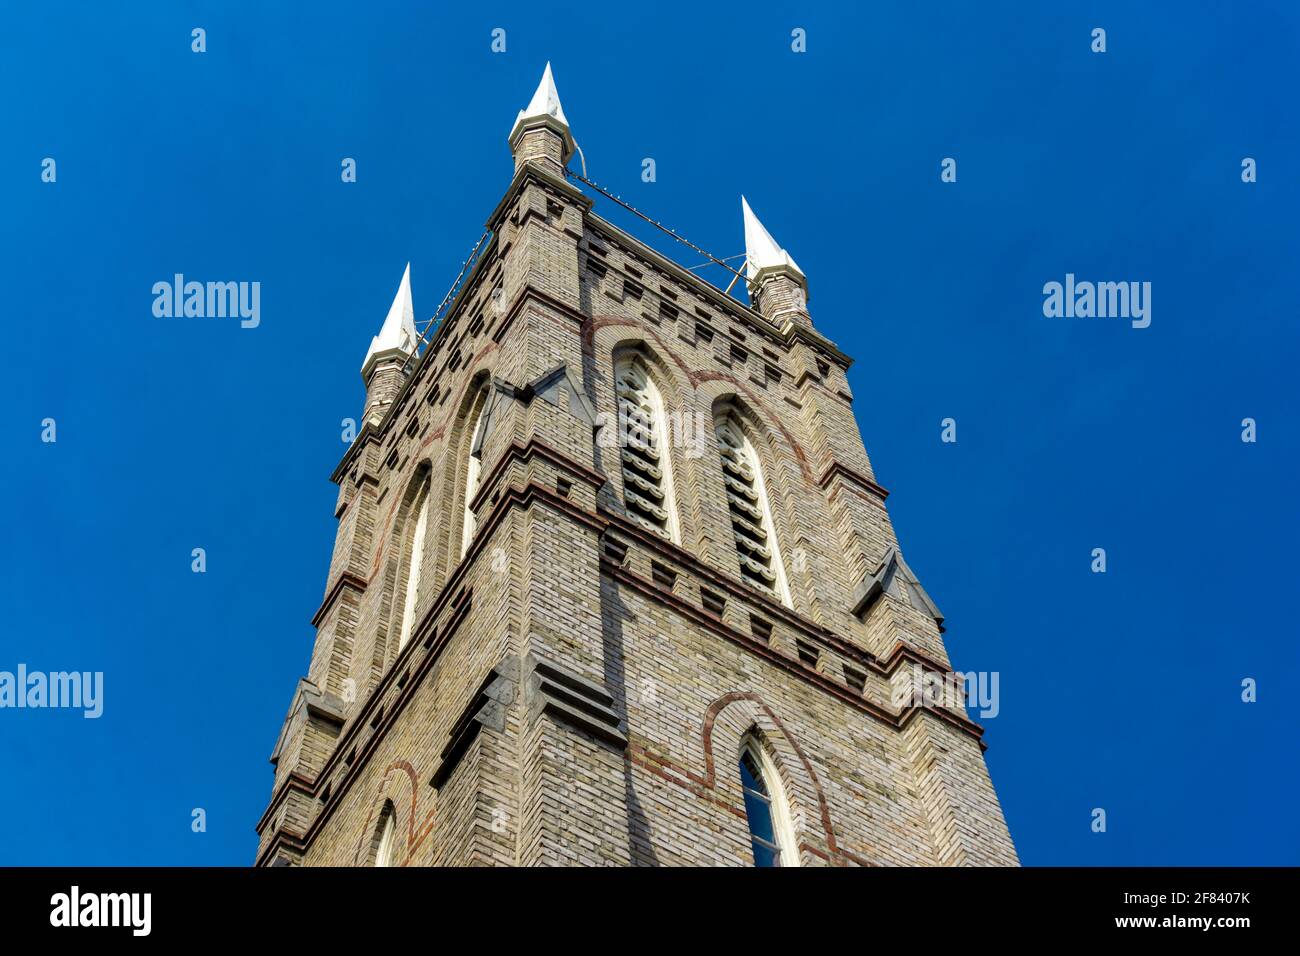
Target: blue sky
{"type": "Point", "coordinates": [1118, 690]}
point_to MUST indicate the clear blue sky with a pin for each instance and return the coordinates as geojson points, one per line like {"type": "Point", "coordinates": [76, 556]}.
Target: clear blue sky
{"type": "Point", "coordinates": [1119, 691]}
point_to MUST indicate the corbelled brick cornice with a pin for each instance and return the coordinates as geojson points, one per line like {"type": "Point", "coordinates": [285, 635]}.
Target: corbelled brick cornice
{"type": "Point", "coordinates": [894, 719]}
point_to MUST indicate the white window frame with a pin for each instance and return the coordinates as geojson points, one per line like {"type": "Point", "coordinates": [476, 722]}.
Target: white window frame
{"type": "Point", "coordinates": [659, 435]}
{"type": "Point", "coordinates": [387, 839]}
{"type": "Point", "coordinates": [473, 472]}
{"type": "Point", "coordinates": [413, 566]}
{"type": "Point", "coordinates": [782, 819]}
{"type": "Point", "coordinates": [730, 418]}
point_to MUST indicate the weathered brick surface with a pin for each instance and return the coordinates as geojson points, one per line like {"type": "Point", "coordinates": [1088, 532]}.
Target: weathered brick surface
{"type": "Point", "coordinates": [576, 689]}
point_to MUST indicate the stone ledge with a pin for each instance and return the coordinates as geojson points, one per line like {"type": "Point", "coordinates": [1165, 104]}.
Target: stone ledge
{"type": "Point", "coordinates": [575, 700]}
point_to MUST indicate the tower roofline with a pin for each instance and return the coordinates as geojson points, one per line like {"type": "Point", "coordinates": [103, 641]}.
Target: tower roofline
{"type": "Point", "coordinates": [732, 308]}
{"type": "Point", "coordinates": [737, 309]}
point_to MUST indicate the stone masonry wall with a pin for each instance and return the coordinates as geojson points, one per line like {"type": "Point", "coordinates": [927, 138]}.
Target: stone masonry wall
{"type": "Point", "coordinates": [576, 688]}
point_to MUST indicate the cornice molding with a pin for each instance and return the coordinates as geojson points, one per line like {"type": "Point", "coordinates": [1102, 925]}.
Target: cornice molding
{"type": "Point", "coordinates": [735, 589]}
{"type": "Point", "coordinates": [897, 720]}
{"type": "Point", "coordinates": [734, 310]}
{"type": "Point", "coordinates": [524, 453]}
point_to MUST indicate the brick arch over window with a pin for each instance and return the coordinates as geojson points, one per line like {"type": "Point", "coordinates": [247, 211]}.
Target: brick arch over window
{"type": "Point", "coordinates": [415, 545]}
{"type": "Point", "coordinates": [471, 454]}
{"type": "Point", "coordinates": [729, 723]}
{"type": "Point", "coordinates": [684, 413]}
{"type": "Point", "coordinates": [397, 792]}
{"type": "Point", "coordinates": [767, 810]}
{"type": "Point", "coordinates": [755, 495]}
{"type": "Point", "coordinates": [402, 561]}
{"type": "Point", "coordinates": [475, 402]}
{"type": "Point", "coordinates": [602, 334]}
{"type": "Point", "coordinates": [672, 380]}
{"type": "Point", "coordinates": [383, 843]}
{"type": "Point", "coordinates": [775, 445]}
{"type": "Point", "coordinates": [645, 439]}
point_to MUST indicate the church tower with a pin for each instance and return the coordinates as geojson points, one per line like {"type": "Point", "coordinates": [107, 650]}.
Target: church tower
{"type": "Point", "coordinates": [614, 583]}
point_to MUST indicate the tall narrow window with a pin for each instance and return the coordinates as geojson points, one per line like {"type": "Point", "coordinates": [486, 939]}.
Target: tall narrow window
{"type": "Point", "coordinates": [643, 449]}
{"type": "Point", "coordinates": [413, 565]}
{"type": "Point", "coordinates": [387, 839]}
{"type": "Point", "coordinates": [473, 469]}
{"type": "Point", "coordinates": [771, 835]}
{"type": "Point", "coordinates": [751, 518]}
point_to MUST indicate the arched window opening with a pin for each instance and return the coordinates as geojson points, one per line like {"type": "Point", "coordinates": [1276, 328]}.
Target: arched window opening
{"type": "Point", "coordinates": [751, 517]}
{"type": "Point", "coordinates": [413, 564]}
{"type": "Point", "coordinates": [387, 838]}
{"type": "Point", "coordinates": [473, 469]}
{"type": "Point", "coordinates": [771, 834]}
{"type": "Point", "coordinates": [643, 448]}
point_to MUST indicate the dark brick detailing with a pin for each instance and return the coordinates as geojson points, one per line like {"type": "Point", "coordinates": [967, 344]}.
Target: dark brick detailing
{"type": "Point", "coordinates": [576, 688]}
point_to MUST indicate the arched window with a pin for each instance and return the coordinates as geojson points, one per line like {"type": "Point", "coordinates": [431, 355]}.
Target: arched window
{"type": "Point", "coordinates": [751, 518]}
{"type": "Point", "coordinates": [771, 834]}
{"type": "Point", "coordinates": [643, 448]}
{"type": "Point", "coordinates": [413, 563]}
{"type": "Point", "coordinates": [387, 837]}
{"type": "Point", "coordinates": [474, 468]}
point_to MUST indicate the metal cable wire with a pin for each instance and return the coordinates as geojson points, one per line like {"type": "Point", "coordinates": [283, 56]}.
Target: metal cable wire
{"type": "Point", "coordinates": [701, 265]}
{"type": "Point", "coordinates": [658, 225]}
{"type": "Point", "coordinates": [468, 265]}
{"type": "Point", "coordinates": [465, 268]}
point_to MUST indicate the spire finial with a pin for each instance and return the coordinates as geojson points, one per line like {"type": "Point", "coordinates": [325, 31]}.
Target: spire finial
{"type": "Point", "coordinates": [545, 102]}
{"type": "Point", "coordinates": [761, 250]}
{"type": "Point", "coordinates": [778, 289]}
{"type": "Point", "coordinates": [398, 330]}
{"type": "Point", "coordinates": [541, 130]}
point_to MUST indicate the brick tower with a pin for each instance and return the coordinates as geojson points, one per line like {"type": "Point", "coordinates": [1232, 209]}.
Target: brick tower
{"type": "Point", "coordinates": [614, 582]}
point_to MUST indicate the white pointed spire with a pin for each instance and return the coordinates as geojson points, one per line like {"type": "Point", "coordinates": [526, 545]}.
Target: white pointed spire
{"type": "Point", "coordinates": [398, 331]}
{"type": "Point", "coordinates": [545, 102]}
{"type": "Point", "coordinates": [761, 249]}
